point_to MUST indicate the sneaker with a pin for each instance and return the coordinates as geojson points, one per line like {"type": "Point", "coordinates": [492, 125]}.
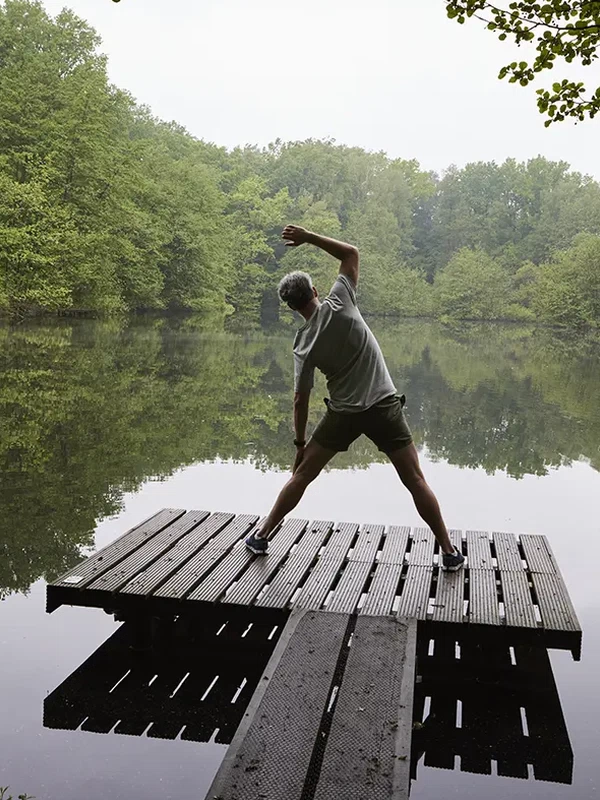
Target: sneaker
{"type": "Point", "coordinates": [257, 545]}
{"type": "Point", "coordinates": [453, 561]}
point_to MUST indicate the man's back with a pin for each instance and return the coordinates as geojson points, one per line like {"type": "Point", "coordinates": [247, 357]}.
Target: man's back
{"type": "Point", "coordinates": [337, 341]}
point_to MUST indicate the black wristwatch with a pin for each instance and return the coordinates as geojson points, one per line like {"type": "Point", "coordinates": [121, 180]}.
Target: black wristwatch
{"type": "Point", "coordinates": [299, 443]}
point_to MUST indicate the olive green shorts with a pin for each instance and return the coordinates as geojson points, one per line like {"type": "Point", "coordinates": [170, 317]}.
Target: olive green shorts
{"type": "Point", "coordinates": [384, 424]}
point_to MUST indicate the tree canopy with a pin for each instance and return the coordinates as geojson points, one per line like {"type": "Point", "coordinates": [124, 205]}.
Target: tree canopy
{"type": "Point", "coordinates": [558, 29]}
{"type": "Point", "coordinates": [106, 209]}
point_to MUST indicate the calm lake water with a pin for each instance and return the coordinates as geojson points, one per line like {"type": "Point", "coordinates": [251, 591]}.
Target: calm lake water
{"type": "Point", "coordinates": [103, 423]}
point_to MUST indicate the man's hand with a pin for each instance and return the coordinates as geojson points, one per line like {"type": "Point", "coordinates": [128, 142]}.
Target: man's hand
{"type": "Point", "coordinates": [295, 235]}
{"type": "Point", "coordinates": [346, 253]}
{"type": "Point", "coordinates": [298, 459]}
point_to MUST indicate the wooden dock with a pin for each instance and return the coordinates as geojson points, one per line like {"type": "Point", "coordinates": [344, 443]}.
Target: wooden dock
{"type": "Point", "coordinates": [181, 562]}
{"type": "Point", "coordinates": [333, 664]}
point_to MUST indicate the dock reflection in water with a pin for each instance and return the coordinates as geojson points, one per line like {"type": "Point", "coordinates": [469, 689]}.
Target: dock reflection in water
{"type": "Point", "coordinates": [479, 702]}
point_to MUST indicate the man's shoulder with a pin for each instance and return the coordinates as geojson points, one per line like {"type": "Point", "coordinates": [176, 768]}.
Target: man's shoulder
{"type": "Point", "coordinates": [342, 293]}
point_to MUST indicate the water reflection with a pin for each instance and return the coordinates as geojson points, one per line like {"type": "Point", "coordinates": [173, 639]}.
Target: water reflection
{"type": "Point", "coordinates": [189, 679]}
{"type": "Point", "coordinates": [488, 703]}
{"type": "Point", "coordinates": [91, 409]}
{"type": "Point", "coordinates": [476, 697]}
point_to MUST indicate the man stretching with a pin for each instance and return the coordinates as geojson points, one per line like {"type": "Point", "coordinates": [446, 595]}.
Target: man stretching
{"type": "Point", "coordinates": [336, 339]}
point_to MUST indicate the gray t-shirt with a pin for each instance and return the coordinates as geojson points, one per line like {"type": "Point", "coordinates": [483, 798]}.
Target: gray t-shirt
{"type": "Point", "coordinates": [338, 341]}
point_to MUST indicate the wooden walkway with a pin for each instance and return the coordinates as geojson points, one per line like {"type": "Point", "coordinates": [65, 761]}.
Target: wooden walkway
{"type": "Point", "coordinates": [332, 715]}
{"type": "Point", "coordinates": [181, 562]}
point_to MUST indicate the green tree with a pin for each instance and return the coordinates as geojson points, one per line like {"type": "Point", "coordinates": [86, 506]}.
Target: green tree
{"type": "Point", "coordinates": [102, 207]}
{"type": "Point", "coordinates": [566, 29]}
{"type": "Point", "coordinates": [255, 218]}
{"type": "Point", "coordinates": [567, 288]}
{"type": "Point", "coordinates": [472, 286]}
{"type": "Point", "coordinates": [105, 208]}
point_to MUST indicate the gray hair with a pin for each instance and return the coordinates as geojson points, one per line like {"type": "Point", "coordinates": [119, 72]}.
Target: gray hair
{"type": "Point", "coordinates": [296, 289]}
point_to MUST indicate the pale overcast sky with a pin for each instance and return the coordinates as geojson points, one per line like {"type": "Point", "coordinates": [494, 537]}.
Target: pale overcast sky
{"type": "Point", "coordinates": [392, 75]}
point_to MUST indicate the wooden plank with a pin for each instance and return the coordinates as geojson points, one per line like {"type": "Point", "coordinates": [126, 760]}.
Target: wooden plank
{"type": "Point", "coordinates": [555, 605]}
{"type": "Point", "coordinates": [448, 605]}
{"type": "Point", "coordinates": [479, 552]}
{"type": "Point", "coordinates": [423, 543]}
{"type": "Point", "coordinates": [538, 554]}
{"type": "Point", "coordinates": [271, 751]}
{"type": "Point", "coordinates": [241, 562]}
{"type": "Point", "coordinates": [99, 563]}
{"type": "Point", "coordinates": [367, 544]}
{"type": "Point", "coordinates": [394, 545]}
{"type": "Point", "coordinates": [150, 551]}
{"type": "Point", "coordinates": [220, 570]}
{"type": "Point", "coordinates": [191, 573]}
{"type": "Point", "coordinates": [159, 571]}
{"type": "Point", "coordinates": [350, 588]}
{"type": "Point", "coordinates": [318, 584]}
{"type": "Point", "coordinates": [222, 574]}
{"type": "Point", "coordinates": [507, 552]}
{"type": "Point", "coordinates": [483, 598]}
{"type": "Point", "coordinates": [518, 604]}
{"type": "Point", "coordinates": [383, 590]}
{"type": "Point", "coordinates": [367, 754]}
{"type": "Point", "coordinates": [456, 538]}
{"type": "Point", "coordinates": [294, 571]}
{"type": "Point", "coordinates": [415, 592]}
{"type": "Point", "coordinates": [259, 572]}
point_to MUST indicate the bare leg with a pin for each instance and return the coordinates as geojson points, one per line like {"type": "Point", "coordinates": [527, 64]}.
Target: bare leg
{"type": "Point", "coordinates": [406, 462]}
{"type": "Point", "coordinates": [315, 458]}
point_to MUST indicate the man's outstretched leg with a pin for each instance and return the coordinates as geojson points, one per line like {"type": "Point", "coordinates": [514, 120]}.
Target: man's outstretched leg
{"type": "Point", "coordinates": [406, 462]}
{"type": "Point", "coordinates": [315, 458]}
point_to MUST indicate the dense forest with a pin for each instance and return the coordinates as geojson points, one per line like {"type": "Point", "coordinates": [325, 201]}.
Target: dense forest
{"type": "Point", "coordinates": [105, 208]}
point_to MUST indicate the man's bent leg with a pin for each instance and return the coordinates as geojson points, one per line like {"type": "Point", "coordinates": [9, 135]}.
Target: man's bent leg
{"type": "Point", "coordinates": [406, 462]}
{"type": "Point", "coordinates": [315, 458]}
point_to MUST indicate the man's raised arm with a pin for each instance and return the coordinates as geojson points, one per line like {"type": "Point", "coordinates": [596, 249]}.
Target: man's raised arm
{"type": "Point", "coordinates": [346, 253]}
